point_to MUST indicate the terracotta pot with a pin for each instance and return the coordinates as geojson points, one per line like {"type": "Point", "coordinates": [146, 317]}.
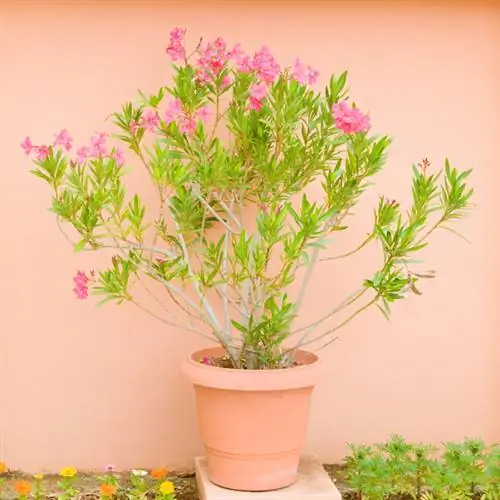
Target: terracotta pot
{"type": "Point", "coordinates": [253, 423]}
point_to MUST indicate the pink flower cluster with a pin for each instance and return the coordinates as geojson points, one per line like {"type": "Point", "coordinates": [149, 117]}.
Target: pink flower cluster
{"type": "Point", "coordinates": [258, 92]}
{"type": "Point", "coordinates": [63, 139]}
{"type": "Point", "coordinates": [149, 120]}
{"type": "Point", "coordinates": [82, 284]}
{"type": "Point", "coordinates": [350, 119]}
{"type": "Point", "coordinates": [265, 66]}
{"type": "Point", "coordinates": [214, 57]}
{"type": "Point", "coordinates": [97, 148]}
{"type": "Point", "coordinates": [186, 121]}
{"type": "Point", "coordinates": [304, 74]}
{"type": "Point", "coordinates": [175, 48]}
{"type": "Point", "coordinates": [212, 61]}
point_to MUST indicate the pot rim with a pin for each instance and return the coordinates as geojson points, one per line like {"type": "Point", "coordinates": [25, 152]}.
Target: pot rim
{"type": "Point", "coordinates": [239, 379]}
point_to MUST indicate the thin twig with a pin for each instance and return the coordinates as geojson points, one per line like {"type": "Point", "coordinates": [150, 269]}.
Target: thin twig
{"type": "Point", "coordinates": [213, 212]}
{"type": "Point", "coordinates": [139, 246]}
{"type": "Point", "coordinates": [225, 299]}
{"type": "Point", "coordinates": [432, 229]}
{"type": "Point", "coordinates": [233, 303]}
{"type": "Point", "coordinates": [346, 302]}
{"type": "Point", "coordinates": [160, 303]}
{"type": "Point", "coordinates": [175, 325]}
{"type": "Point", "coordinates": [217, 118]}
{"type": "Point", "coordinates": [335, 328]}
{"type": "Point", "coordinates": [157, 276]}
{"type": "Point", "coordinates": [352, 252]}
{"type": "Point", "coordinates": [223, 338]}
{"type": "Point", "coordinates": [229, 211]}
{"type": "Point", "coordinates": [63, 232]}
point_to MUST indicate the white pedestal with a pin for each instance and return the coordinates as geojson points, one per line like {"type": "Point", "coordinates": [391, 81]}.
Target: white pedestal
{"type": "Point", "coordinates": [312, 483]}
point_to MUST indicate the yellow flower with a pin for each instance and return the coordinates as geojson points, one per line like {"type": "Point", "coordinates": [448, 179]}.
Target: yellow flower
{"type": "Point", "coordinates": [68, 472]}
{"type": "Point", "coordinates": [167, 487]}
{"type": "Point", "coordinates": [3, 468]}
{"type": "Point", "coordinates": [38, 477]}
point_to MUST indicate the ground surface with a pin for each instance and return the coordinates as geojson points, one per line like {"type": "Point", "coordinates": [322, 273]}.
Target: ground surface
{"type": "Point", "coordinates": [185, 484]}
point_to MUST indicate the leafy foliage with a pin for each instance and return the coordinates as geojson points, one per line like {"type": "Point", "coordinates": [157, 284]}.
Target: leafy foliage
{"type": "Point", "coordinates": [210, 177]}
{"type": "Point", "coordinates": [396, 468]}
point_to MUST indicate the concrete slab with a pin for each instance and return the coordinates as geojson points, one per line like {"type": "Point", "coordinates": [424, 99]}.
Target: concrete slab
{"type": "Point", "coordinates": [313, 483]}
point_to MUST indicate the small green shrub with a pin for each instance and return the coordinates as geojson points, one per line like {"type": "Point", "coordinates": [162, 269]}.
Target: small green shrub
{"type": "Point", "coordinates": [398, 469]}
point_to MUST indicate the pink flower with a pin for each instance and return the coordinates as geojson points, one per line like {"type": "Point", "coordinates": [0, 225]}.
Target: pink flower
{"type": "Point", "coordinates": [42, 152]}
{"type": "Point", "coordinates": [259, 91]}
{"type": "Point", "coordinates": [265, 65]}
{"type": "Point", "coordinates": [244, 64]}
{"type": "Point", "coordinates": [236, 52]}
{"type": "Point", "coordinates": [299, 72]}
{"type": "Point", "coordinates": [350, 119]}
{"type": "Point", "coordinates": [312, 75]}
{"type": "Point", "coordinates": [204, 114]}
{"type": "Point", "coordinates": [81, 279]}
{"type": "Point", "coordinates": [63, 139]}
{"type": "Point", "coordinates": [98, 142]}
{"type": "Point", "coordinates": [188, 125]}
{"type": "Point", "coordinates": [81, 289]}
{"type": "Point", "coordinates": [303, 74]}
{"type": "Point", "coordinates": [177, 34]}
{"type": "Point", "coordinates": [241, 58]}
{"type": "Point", "coordinates": [203, 76]}
{"type": "Point", "coordinates": [134, 126]}
{"type": "Point", "coordinates": [27, 145]}
{"type": "Point", "coordinates": [213, 58]}
{"type": "Point", "coordinates": [81, 293]}
{"type": "Point", "coordinates": [82, 154]}
{"type": "Point", "coordinates": [117, 155]}
{"type": "Point", "coordinates": [226, 81]}
{"type": "Point", "coordinates": [150, 120]}
{"type": "Point", "coordinates": [254, 104]}
{"type": "Point", "coordinates": [173, 111]}
{"type": "Point", "coordinates": [175, 50]}
{"type": "Point", "coordinates": [109, 468]}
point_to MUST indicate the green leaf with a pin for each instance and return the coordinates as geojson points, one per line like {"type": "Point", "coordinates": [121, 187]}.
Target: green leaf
{"type": "Point", "coordinates": [80, 245]}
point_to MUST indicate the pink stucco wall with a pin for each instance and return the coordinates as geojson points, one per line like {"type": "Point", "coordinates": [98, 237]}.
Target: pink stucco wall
{"type": "Point", "coordinates": [86, 386]}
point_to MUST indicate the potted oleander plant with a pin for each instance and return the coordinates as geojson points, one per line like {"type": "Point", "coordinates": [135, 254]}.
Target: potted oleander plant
{"type": "Point", "coordinates": [231, 147]}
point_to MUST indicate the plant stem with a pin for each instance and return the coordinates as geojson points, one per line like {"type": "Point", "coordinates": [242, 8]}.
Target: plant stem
{"type": "Point", "coordinates": [312, 262]}
{"type": "Point", "coordinates": [352, 252]}
{"type": "Point", "coordinates": [217, 117]}
{"type": "Point", "coordinates": [160, 303]}
{"type": "Point", "coordinates": [337, 327]}
{"type": "Point", "coordinates": [222, 337]}
{"type": "Point", "coordinates": [139, 246]}
{"type": "Point", "coordinates": [163, 320]}
{"type": "Point", "coordinates": [151, 272]}
{"type": "Point", "coordinates": [346, 302]}
{"type": "Point", "coordinates": [229, 210]}
{"type": "Point", "coordinates": [432, 229]}
{"type": "Point", "coordinates": [306, 280]}
{"type": "Point", "coordinates": [213, 212]}
{"type": "Point", "coordinates": [225, 299]}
